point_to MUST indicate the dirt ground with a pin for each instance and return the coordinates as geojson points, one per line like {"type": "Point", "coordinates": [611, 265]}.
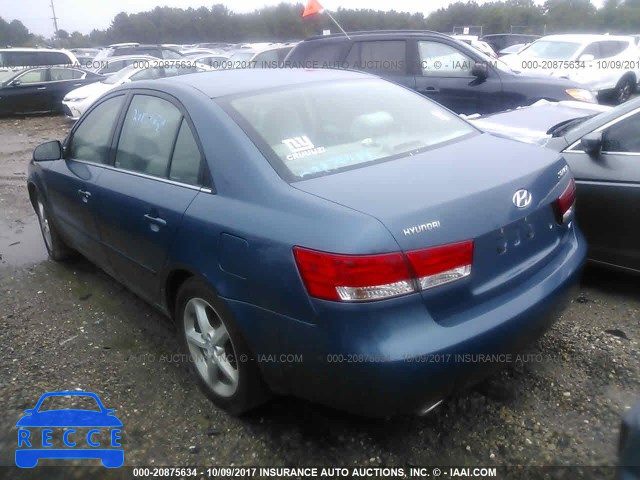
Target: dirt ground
{"type": "Point", "coordinates": [70, 326]}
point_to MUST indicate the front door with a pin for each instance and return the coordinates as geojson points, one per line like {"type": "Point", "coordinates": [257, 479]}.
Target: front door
{"type": "Point", "coordinates": [608, 194]}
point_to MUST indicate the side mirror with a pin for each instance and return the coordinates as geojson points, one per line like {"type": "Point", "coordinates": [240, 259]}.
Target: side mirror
{"type": "Point", "coordinates": [592, 143]}
{"type": "Point", "coordinates": [587, 57]}
{"type": "Point", "coordinates": [480, 70]}
{"type": "Point", "coordinates": [48, 151]}
{"type": "Point", "coordinates": [15, 83]}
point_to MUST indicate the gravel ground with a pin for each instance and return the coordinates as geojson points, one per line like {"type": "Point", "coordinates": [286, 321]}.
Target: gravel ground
{"type": "Point", "coordinates": [70, 326]}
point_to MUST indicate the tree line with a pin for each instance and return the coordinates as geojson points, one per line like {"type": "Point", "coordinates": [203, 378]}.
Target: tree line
{"type": "Point", "coordinates": [283, 22]}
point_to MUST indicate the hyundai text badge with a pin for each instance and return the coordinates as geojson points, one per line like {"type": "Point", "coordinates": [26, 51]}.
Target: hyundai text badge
{"type": "Point", "coordinates": [522, 198]}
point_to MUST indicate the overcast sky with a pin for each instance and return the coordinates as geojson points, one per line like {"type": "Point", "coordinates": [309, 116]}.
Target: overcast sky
{"type": "Point", "coordinates": [85, 15]}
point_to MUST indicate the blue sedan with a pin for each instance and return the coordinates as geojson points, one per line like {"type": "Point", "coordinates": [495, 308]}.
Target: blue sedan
{"type": "Point", "coordinates": [324, 234]}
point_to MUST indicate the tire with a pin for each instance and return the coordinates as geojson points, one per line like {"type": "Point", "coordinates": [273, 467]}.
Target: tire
{"type": "Point", "coordinates": [219, 357]}
{"type": "Point", "coordinates": [57, 249]}
{"type": "Point", "coordinates": [624, 90]}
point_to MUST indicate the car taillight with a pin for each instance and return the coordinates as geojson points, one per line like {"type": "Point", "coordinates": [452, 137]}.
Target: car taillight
{"type": "Point", "coordinates": [350, 278]}
{"type": "Point", "coordinates": [353, 277]}
{"type": "Point", "coordinates": [563, 206]}
{"type": "Point", "coordinates": [439, 265]}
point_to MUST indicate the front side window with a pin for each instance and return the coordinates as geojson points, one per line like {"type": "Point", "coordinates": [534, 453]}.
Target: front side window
{"type": "Point", "coordinates": [322, 128]}
{"type": "Point", "coordinates": [623, 136]}
{"type": "Point", "coordinates": [92, 139]}
{"type": "Point", "coordinates": [33, 76]}
{"type": "Point", "coordinates": [383, 57]}
{"type": "Point", "coordinates": [148, 135]}
{"type": "Point", "coordinates": [442, 60]}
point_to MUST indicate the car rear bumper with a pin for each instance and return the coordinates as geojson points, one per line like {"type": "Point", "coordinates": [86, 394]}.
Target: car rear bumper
{"type": "Point", "coordinates": [394, 358]}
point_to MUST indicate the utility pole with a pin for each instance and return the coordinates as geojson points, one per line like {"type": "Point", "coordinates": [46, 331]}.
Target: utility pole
{"type": "Point", "coordinates": [55, 19]}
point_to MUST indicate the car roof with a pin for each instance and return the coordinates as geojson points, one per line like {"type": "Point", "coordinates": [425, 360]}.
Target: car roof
{"type": "Point", "coordinates": [115, 58]}
{"type": "Point", "coordinates": [377, 33]}
{"type": "Point", "coordinates": [221, 83]}
{"type": "Point", "coordinates": [29, 49]}
{"type": "Point", "coordinates": [586, 37]}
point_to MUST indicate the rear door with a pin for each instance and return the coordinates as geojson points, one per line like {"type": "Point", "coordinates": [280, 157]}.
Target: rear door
{"type": "Point", "coordinates": [157, 174]}
{"type": "Point", "coordinates": [608, 200]}
{"type": "Point", "coordinates": [445, 76]}
{"type": "Point", "coordinates": [62, 81]}
{"type": "Point", "coordinates": [71, 183]}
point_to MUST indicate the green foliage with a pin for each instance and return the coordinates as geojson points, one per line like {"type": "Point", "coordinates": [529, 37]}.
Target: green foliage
{"type": "Point", "coordinates": [284, 22]}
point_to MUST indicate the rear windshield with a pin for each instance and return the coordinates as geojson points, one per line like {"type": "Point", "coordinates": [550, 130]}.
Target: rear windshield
{"type": "Point", "coordinates": [322, 128]}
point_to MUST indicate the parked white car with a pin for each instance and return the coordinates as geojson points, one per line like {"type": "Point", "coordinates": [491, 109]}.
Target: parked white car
{"type": "Point", "coordinates": [35, 57]}
{"type": "Point", "coordinates": [260, 55]}
{"type": "Point", "coordinates": [608, 65]}
{"type": "Point", "coordinates": [113, 65]}
{"type": "Point", "coordinates": [476, 43]}
{"type": "Point", "coordinates": [77, 101]}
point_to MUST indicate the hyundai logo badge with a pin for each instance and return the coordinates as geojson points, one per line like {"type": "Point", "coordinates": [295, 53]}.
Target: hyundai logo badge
{"type": "Point", "coordinates": [522, 198]}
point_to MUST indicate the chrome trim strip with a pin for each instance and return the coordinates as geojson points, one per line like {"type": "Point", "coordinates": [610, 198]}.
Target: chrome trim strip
{"type": "Point", "coordinates": [143, 175]}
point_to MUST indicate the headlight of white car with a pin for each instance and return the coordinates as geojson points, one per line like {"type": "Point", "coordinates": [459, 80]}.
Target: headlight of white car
{"type": "Point", "coordinates": [74, 99]}
{"type": "Point", "coordinates": [582, 94]}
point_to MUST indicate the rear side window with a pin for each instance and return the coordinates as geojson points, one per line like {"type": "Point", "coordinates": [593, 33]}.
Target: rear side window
{"type": "Point", "coordinates": [148, 134]}
{"type": "Point", "coordinates": [58, 74]}
{"type": "Point", "coordinates": [52, 58]}
{"type": "Point", "coordinates": [185, 163]}
{"type": "Point", "coordinates": [311, 55]}
{"type": "Point", "coordinates": [92, 139]}
{"type": "Point", "coordinates": [612, 48]}
{"type": "Point", "coordinates": [382, 57]}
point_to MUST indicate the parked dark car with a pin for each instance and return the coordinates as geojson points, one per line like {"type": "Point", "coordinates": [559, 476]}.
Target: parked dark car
{"type": "Point", "coordinates": [629, 446]}
{"type": "Point", "coordinates": [40, 89]}
{"type": "Point", "coordinates": [603, 151]}
{"type": "Point", "coordinates": [446, 70]}
{"type": "Point", "coordinates": [318, 233]}
{"type": "Point", "coordinates": [500, 41]}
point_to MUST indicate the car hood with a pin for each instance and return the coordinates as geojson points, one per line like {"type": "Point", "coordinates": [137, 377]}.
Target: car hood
{"type": "Point", "coordinates": [92, 90]}
{"type": "Point", "coordinates": [531, 124]}
{"type": "Point", "coordinates": [466, 187]}
{"type": "Point", "coordinates": [69, 418]}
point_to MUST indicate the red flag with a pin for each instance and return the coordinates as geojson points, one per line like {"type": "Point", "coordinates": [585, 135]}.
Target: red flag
{"type": "Point", "coordinates": [313, 7]}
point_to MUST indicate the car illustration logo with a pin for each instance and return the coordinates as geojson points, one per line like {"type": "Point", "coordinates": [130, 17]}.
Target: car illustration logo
{"type": "Point", "coordinates": [71, 433]}
{"type": "Point", "coordinates": [522, 198]}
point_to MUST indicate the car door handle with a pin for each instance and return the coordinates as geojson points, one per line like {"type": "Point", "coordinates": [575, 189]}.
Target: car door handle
{"type": "Point", "coordinates": [156, 220]}
{"type": "Point", "coordinates": [42, 88]}
{"type": "Point", "coordinates": [431, 89]}
{"type": "Point", "coordinates": [85, 195]}
{"type": "Point", "coordinates": [77, 84]}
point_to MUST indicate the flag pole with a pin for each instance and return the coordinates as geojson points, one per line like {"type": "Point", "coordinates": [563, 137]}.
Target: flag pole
{"type": "Point", "coordinates": [334, 21]}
